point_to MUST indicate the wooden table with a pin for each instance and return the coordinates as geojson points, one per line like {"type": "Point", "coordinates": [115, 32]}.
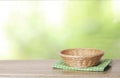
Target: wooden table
{"type": "Point", "coordinates": [43, 69]}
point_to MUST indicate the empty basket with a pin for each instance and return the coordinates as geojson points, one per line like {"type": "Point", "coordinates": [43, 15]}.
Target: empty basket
{"type": "Point", "coordinates": [81, 57]}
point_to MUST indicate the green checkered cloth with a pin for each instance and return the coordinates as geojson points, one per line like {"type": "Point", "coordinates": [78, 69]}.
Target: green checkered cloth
{"type": "Point", "coordinates": [101, 67]}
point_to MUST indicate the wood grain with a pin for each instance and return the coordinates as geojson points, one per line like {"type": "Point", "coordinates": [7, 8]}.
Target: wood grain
{"type": "Point", "coordinates": [43, 69]}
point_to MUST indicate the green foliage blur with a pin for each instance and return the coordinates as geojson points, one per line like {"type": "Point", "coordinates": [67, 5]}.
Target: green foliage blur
{"type": "Point", "coordinates": [41, 29]}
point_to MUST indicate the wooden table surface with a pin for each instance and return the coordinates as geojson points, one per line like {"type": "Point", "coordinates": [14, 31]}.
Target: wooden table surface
{"type": "Point", "coordinates": [43, 69]}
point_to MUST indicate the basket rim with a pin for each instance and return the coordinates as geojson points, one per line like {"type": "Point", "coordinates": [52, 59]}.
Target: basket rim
{"type": "Point", "coordinates": [64, 55]}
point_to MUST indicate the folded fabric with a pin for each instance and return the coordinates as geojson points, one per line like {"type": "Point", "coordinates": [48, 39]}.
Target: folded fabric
{"type": "Point", "coordinates": [100, 67]}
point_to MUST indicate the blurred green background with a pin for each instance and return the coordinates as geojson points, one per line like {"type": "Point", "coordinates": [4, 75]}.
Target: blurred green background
{"type": "Point", "coordinates": [41, 29]}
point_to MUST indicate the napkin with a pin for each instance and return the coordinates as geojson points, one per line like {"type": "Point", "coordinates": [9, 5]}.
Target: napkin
{"type": "Point", "coordinates": [100, 67]}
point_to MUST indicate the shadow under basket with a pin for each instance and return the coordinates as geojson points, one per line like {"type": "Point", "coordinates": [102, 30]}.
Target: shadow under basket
{"type": "Point", "coordinates": [81, 57]}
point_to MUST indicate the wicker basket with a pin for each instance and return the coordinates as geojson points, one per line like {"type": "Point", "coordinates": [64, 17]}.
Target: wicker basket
{"type": "Point", "coordinates": [81, 57]}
